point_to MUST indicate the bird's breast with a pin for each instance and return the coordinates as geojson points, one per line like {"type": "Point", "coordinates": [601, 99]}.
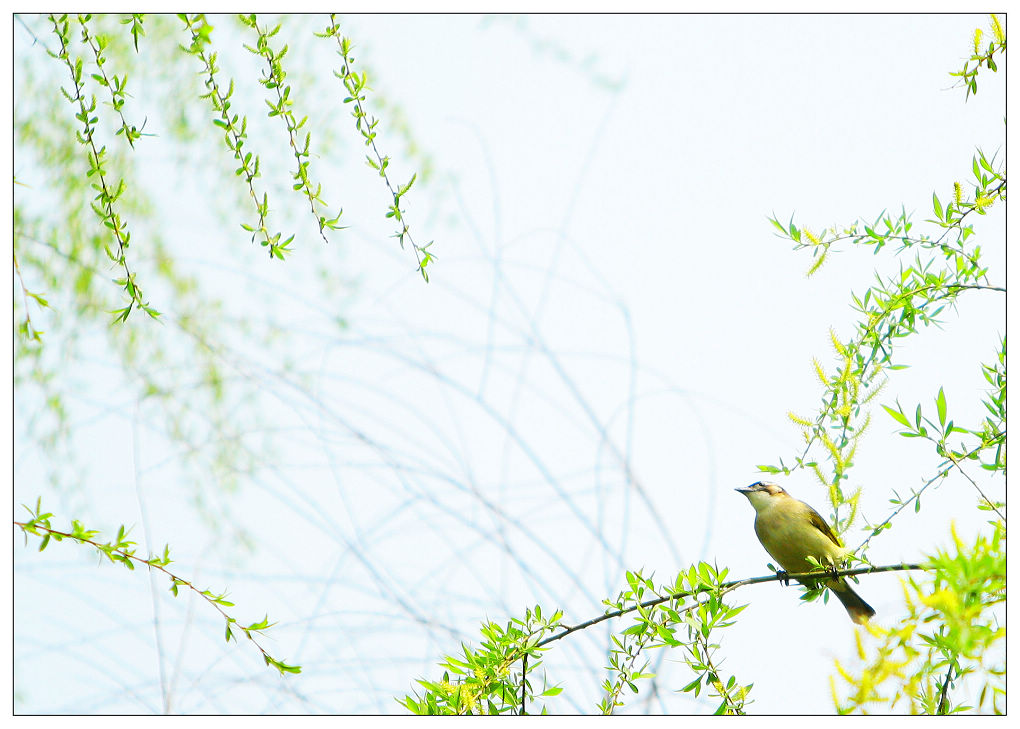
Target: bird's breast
{"type": "Point", "coordinates": [790, 538]}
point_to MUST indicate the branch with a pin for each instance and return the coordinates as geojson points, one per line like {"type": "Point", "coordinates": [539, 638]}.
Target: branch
{"type": "Point", "coordinates": [234, 135]}
{"type": "Point", "coordinates": [115, 86]}
{"type": "Point", "coordinates": [274, 79]}
{"type": "Point", "coordinates": [524, 685]}
{"type": "Point", "coordinates": [943, 470]}
{"type": "Point", "coordinates": [729, 587]}
{"type": "Point", "coordinates": [966, 475]}
{"type": "Point", "coordinates": [355, 86]}
{"type": "Point", "coordinates": [120, 552]}
{"type": "Point", "coordinates": [108, 193]}
{"type": "Point", "coordinates": [945, 689]}
{"type": "Point", "coordinates": [26, 326]}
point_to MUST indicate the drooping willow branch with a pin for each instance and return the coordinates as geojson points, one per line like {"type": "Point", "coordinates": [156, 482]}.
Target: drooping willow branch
{"type": "Point", "coordinates": [120, 551]}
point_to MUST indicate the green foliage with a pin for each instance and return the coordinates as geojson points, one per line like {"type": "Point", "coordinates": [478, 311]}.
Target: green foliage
{"type": "Point", "coordinates": [944, 267]}
{"type": "Point", "coordinates": [949, 632]}
{"type": "Point", "coordinates": [137, 31]}
{"type": "Point", "coordinates": [122, 551]}
{"type": "Point", "coordinates": [73, 220]}
{"type": "Point", "coordinates": [947, 629]}
{"type": "Point", "coordinates": [234, 134]}
{"type": "Point", "coordinates": [945, 264]}
{"type": "Point", "coordinates": [115, 84]}
{"type": "Point", "coordinates": [954, 628]}
{"type": "Point", "coordinates": [990, 433]}
{"type": "Point", "coordinates": [657, 625]}
{"type": "Point", "coordinates": [487, 680]}
{"type": "Point", "coordinates": [25, 328]}
{"type": "Point", "coordinates": [109, 192]}
{"type": "Point", "coordinates": [273, 79]}
{"type": "Point", "coordinates": [356, 85]}
{"type": "Point", "coordinates": [986, 57]}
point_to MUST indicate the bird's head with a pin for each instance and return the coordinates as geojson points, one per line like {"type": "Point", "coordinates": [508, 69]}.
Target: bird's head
{"type": "Point", "coordinates": [762, 494]}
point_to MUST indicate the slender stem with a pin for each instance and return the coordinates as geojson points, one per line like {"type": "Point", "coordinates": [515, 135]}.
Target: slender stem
{"type": "Point", "coordinates": [151, 563]}
{"type": "Point", "coordinates": [945, 689]}
{"type": "Point", "coordinates": [524, 686]}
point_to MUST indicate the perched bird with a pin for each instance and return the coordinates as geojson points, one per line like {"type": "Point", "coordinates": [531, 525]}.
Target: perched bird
{"type": "Point", "coordinates": [791, 531]}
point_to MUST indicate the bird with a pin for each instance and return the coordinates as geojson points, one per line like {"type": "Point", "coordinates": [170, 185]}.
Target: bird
{"type": "Point", "coordinates": [791, 531]}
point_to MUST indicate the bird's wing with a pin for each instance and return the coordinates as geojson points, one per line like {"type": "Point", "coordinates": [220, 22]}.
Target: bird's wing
{"type": "Point", "coordinates": [823, 526]}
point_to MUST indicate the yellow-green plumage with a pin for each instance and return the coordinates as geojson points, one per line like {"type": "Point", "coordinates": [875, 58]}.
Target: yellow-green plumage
{"type": "Point", "coordinates": [791, 531]}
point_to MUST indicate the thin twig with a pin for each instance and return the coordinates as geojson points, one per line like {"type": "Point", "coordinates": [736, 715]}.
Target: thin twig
{"type": "Point", "coordinates": [941, 474]}
{"type": "Point", "coordinates": [524, 686]}
{"type": "Point", "coordinates": [153, 563]}
{"type": "Point", "coordinates": [966, 475]}
{"type": "Point", "coordinates": [945, 689]}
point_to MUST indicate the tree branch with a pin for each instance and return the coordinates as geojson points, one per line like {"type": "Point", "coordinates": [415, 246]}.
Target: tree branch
{"type": "Point", "coordinates": [120, 553]}
{"type": "Point", "coordinates": [729, 587]}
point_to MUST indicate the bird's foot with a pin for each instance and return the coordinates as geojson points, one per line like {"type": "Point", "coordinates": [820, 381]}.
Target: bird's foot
{"type": "Point", "coordinates": [784, 577]}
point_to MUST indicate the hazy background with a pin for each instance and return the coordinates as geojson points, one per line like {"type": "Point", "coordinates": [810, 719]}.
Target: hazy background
{"type": "Point", "coordinates": [609, 345]}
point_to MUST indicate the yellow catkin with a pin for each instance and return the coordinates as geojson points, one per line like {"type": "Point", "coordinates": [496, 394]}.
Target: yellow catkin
{"type": "Point", "coordinates": [798, 419]}
{"type": "Point", "coordinates": [844, 673]}
{"type": "Point", "coordinates": [911, 687]}
{"type": "Point", "coordinates": [835, 694]}
{"type": "Point", "coordinates": [977, 41]}
{"type": "Point", "coordinates": [818, 264]}
{"type": "Point", "coordinates": [836, 344]}
{"type": "Point", "coordinates": [831, 447]}
{"type": "Point", "coordinates": [957, 192]}
{"type": "Point", "coordinates": [875, 629]}
{"type": "Point", "coordinates": [874, 391]}
{"type": "Point", "coordinates": [819, 371]}
{"type": "Point", "coordinates": [811, 236]}
{"type": "Point", "coordinates": [866, 685]}
{"type": "Point", "coordinates": [467, 698]}
{"type": "Point", "coordinates": [944, 601]}
{"type": "Point", "coordinates": [997, 31]}
{"type": "Point", "coordinates": [906, 595]}
{"type": "Point", "coordinates": [853, 501]}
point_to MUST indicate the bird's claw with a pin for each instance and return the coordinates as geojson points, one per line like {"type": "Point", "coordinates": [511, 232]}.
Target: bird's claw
{"type": "Point", "coordinates": [784, 577]}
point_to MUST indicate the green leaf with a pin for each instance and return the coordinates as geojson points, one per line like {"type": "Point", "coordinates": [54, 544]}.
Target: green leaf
{"type": "Point", "coordinates": [897, 415]}
{"type": "Point", "coordinates": [940, 403]}
{"type": "Point", "coordinates": [694, 685]}
{"type": "Point", "coordinates": [405, 188]}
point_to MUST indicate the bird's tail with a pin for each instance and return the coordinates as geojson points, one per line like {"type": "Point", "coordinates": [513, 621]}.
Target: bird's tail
{"type": "Point", "coordinates": [860, 611]}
